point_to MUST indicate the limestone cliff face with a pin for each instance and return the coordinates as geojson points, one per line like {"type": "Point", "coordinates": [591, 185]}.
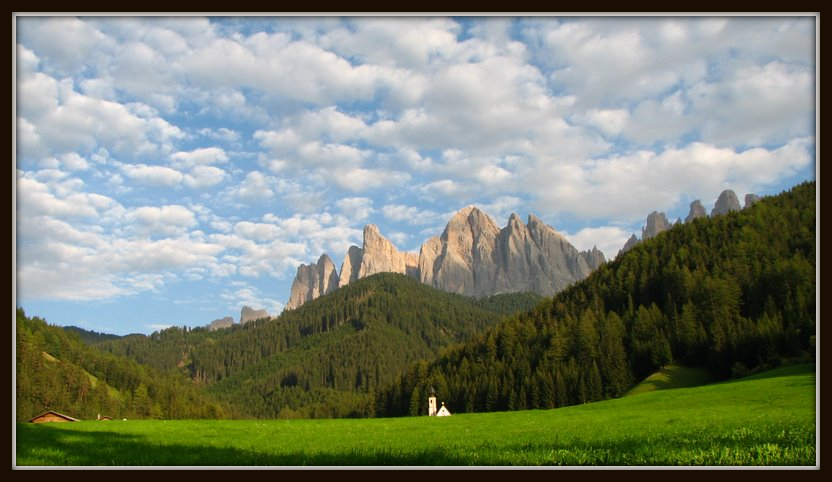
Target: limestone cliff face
{"type": "Point", "coordinates": [656, 223]}
{"type": "Point", "coordinates": [594, 258]}
{"type": "Point", "coordinates": [726, 203]}
{"type": "Point", "coordinates": [249, 314]}
{"type": "Point", "coordinates": [313, 280]}
{"type": "Point", "coordinates": [380, 256]}
{"type": "Point", "coordinates": [473, 256]}
{"type": "Point", "coordinates": [630, 244]}
{"type": "Point", "coordinates": [697, 210]}
{"type": "Point", "coordinates": [221, 323]}
{"type": "Point", "coordinates": [751, 199]}
{"type": "Point", "coordinates": [428, 257]}
{"type": "Point", "coordinates": [554, 262]}
{"type": "Point", "coordinates": [350, 266]}
{"type": "Point", "coordinates": [465, 263]}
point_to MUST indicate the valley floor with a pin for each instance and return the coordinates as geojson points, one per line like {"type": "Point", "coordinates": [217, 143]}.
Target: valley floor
{"type": "Point", "coordinates": [767, 419]}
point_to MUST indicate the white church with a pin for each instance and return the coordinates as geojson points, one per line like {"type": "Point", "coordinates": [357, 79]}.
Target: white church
{"type": "Point", "coordinates": [432, 412]}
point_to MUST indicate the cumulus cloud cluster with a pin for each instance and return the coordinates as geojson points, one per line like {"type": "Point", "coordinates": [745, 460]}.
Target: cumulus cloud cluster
{"type": "Point", "coordinates": [158, 148]}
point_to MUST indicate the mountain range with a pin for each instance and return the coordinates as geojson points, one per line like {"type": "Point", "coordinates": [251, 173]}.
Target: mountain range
{"type": "Point", "coordinates": [657, 221]}
{"type": "Point", "coordinates": [473, 257]}
{"type": "Point", "coordinates": [731, 293]}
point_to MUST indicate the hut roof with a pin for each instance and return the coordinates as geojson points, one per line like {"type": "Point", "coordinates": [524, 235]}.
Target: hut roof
{"type": "Point", "coordinates": [45, 416]}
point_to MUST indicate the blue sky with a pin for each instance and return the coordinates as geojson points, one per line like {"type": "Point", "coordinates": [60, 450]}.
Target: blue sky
{"type": "Point", "coordinates": [170, 170]}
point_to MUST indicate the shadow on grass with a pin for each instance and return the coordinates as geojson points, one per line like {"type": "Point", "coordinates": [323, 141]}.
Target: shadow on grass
{"type": "Point", "coordinates": [50, 446]}
{"type": "Point", "coordinates": [42, 445]}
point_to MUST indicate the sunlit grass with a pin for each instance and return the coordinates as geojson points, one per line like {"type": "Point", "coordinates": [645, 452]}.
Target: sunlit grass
{"type": "Point", "coordinates": [768, 419]}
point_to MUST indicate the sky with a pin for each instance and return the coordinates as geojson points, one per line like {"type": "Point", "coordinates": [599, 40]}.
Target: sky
{"type": "Point", "coordinates": [170, 170]}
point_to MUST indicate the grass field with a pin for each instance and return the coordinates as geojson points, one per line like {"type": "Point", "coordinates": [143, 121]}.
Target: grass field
{"type": "Point", "coordinates": [767, 419]}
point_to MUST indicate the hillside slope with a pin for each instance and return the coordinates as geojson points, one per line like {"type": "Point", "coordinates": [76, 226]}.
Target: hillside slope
{"type": "Point", "coordinates": [729, 294]}
{"type": "Point", "coordinates": [326, 357]}
{"type": "Point", "coordinates": [56, 370]}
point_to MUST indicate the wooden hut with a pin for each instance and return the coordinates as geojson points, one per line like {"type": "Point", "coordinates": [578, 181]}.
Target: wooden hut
{"type": "Point", "coordinates": [51, 416]}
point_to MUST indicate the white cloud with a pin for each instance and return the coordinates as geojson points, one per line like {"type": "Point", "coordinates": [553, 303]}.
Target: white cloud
{"type": "Point", "coordinates": [409, 214]}
{"type": "Point", "coordinates": [257, 231]}
{"type": "Point", "coordinates": [292, 152]}
{"type": "Point", "coordinates": [37, 94]}
{"type": "Point", "coordinates": [27, 61]}
{"type": "Point", "coordinates": [63, 261]}
{"type": "Point", "coordinates": [356, 208]}
{"type": "Point", "coordinates": [223, 133]}
{"type": "Point", "coordinates": [609, 60]}
{"type": "Point", "coordinates": [331, 123]}
{"type": "Point", "coordinates": [628, 186]}
{"type": "Point", "coordinates": [609, 121]}
{"type": "Point", "coordinates": [277, 66]}
{"type": "Point", "coordinates": [501, 207]}
{"type": "Point", "coordinates": [202, 156]}
{"type": "Point", "coordinates": [608, 239]}
{"type": "Point", "coordinates": [66, 44]}
{"type": "Point", "coordinates": [253, 188]}
{"type": "Point", "coordinates": [29, 144]}
{"type": "Point", "coordinates": [204, 176]}
{"type": "Point", "coordinates": [407, 42]}
{"type": "Point", "coordinates": [446, 188]}
{"type": "Point", "coordinates": [359, 179]}
{"type": "Point", "coordinates": [398, 238]}
{"type": "Point", "coordinates": [757, 105]}
{"type": "Point", "coordinates": [162, 221]}
{"type": "Point", "coordinates": [67, 121]}
{"type": "Point", "coordinates": [144, 73]}
{"type": "Point", "coordinates": [153, 175]}
{"type": "Point", "coordinates": [51, 193]}
{"type": "Point", "coordinates": [74, 162]}
{"type": "Point", "coordinates": [247, 295]}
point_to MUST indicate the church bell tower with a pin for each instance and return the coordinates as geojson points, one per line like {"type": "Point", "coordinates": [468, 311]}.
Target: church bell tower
{"type": "Point", "coordinates": [432, 403]}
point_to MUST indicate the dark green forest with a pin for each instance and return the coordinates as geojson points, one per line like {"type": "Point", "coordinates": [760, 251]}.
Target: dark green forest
{"type": "Point", "coordinates": [324, 359]}
{"type": "Point", "coordinates": [57, 370]}
{"type": "Point", "coordinates": [733, 294]}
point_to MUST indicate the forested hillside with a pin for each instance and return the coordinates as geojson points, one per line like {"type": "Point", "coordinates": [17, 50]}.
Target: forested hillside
{"type": "Point", "coordinates": [731, 293]}
{"type": "Point", "coordinates": [326, 358]}
{"type": "Point", "coordinates": [56, 370]}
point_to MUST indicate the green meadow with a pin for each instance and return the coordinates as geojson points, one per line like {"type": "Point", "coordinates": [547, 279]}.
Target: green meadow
{"type": "Point", "coordinates": [765, 419]}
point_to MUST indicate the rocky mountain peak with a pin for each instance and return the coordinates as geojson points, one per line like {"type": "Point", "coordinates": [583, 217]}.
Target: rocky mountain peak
{"type": "Point", "coordinates": [656, 223]}
{"type": "Point", "coordinates": [221, 323]}
{"type": "Point", "coordinates": [472, 256]}
{"type": "Point", "coordinates": [379, 255]}
{"type": "Point", "coordinates": [726, 203]}
{"type": "Point", "coordinates": [594, 258]}
{"type": "Point", "coordinates": [350, 266]}
{"type": "Point", "coordinates": [535, 222]}
{"type": "Point", "coordinates": [630, 244]}
{"type": "Point", "coordinates": [313, 280]}
{"type": "Point", "coordinates": [697, 210]}
{"type": "Point", "coordinates": [249, 314]}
